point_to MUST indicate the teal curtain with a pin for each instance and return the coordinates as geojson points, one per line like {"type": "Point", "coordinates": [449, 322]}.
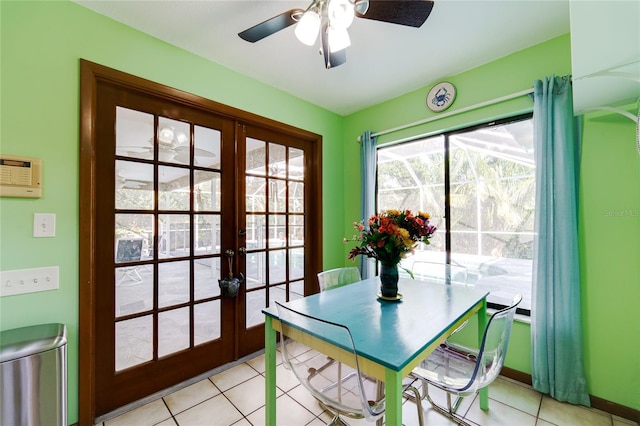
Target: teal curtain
{"type": "Point", "coordinates": [368, 170]}
{"type": "Point", "coordinates": [556, 328]}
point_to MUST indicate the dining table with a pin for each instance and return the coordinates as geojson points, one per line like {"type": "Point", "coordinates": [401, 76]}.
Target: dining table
{"type": "Point", "coordinates": [391, 337]}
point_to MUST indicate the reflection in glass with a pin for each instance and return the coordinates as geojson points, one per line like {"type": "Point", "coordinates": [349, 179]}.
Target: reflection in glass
{"type": "Point", "coordinates": [134, 237]}
{"type": "Point", "coordinates": [134, 185]}
{"type": "Point", "coordinates": [296, 164]}
{"type": "Point", "coordinates": [173, 188]}
{"type": "Point", "coordinates": [207, 231]}
{"type": "Point", "coordinates": [277, 265]}
{"type": "Point", "coordinates": [173, 283]}
{"type": "Point", "coordinates": [173, 331]}
{"type": "Point", "coordinates": [206, 276]}
{"type": "Point", "coordinates": [256, 270]}
{"type": "Point", "coordinates": [206, 325]}
{"type": "Point", "coordinates": [134, 342]}
{"type": "Point", "coordinates": [277, 231]}
{"type": "Point", "coordinates": [296, 263]}
{"type": "Point", "coordinates": [255, 194]}
{"type": "Point", "coordinates": [255, 157]}
{"type": "Point", "coordinates": [207, 147]}
{"type": "Point", "coordinates": [256, 231]}
{"type": "Point", "coordinates": [173, 235]}
{"type": "Point", "coordinates": [134, 134]}
{"type": "Point", "coordinates": [277, 160]}
{"type": "Point", "coordinates": [255, 302]}
{"type": "Point", "coordinates": [134, 289]}
{"type": "Point", "coordinates": [277, 195]}
{"type": "Point", "coordinates": [296, 230]}
{"type": "Point", "coordinates": [173, 141]}
{"type": "Point", "coordinates": [296, 197]}
{"type": "Point", "coordinates": [206, 191]}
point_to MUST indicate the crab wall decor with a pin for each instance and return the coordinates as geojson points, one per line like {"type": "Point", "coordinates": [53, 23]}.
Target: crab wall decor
{"type": "Point", "coordinates": [441, 96]}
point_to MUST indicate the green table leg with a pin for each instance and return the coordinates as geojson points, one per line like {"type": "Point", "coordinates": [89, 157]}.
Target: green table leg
{"type": "Point", "coordinates": [270, 371]}
{"type": "Point", "coordinates": [482, 324]}
{"type": "Point", "coordinates": [393, 398]}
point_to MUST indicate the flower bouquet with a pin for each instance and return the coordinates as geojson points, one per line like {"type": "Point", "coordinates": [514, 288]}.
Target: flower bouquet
{"type": "Point", "coordinates": [389, 237]}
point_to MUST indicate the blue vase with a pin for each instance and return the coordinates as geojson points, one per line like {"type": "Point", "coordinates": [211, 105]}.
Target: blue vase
{"type": "Point", "coordinates": [389, 280]}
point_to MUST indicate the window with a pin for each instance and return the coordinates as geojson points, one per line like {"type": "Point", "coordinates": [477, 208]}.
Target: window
{"type": "Point", "coordinates": [478, 184]}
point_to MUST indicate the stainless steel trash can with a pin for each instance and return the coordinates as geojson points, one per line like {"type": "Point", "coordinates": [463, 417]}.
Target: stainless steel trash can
{"type": "Point", "coordinates": [33, 376]}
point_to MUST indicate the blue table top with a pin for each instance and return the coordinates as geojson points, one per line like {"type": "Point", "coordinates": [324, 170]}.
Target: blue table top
{"type": "Point", "coordinates": [390, 333]}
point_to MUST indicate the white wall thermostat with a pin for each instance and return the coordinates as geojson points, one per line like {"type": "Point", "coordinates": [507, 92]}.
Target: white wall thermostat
{"type": "Point", "coordinates": [441, 96]}
{"type": "Point", "coordinates": [20, 176]}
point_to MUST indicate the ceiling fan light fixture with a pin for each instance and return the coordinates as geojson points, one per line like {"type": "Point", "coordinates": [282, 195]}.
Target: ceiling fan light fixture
{"type": "Point", "coordinates": [338, 38]}
{"type": "Point", "coordinates": [340, 13]}
{"type": "Point", "coordinates": [165, 135]}
{"type": "Point", "coordinates": [308, 27]}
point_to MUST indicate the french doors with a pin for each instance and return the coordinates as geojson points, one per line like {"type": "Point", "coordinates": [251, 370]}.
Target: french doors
{"type": "Point", "coordinates": [178, 195]}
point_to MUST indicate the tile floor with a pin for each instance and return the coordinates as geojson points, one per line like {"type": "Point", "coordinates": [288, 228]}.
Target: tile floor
{"type": "Point", "coordinates": [235, 396]}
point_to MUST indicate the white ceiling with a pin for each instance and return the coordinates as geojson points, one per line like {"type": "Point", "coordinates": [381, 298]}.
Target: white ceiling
{"type": "Point", "coordinates": [383, 61]}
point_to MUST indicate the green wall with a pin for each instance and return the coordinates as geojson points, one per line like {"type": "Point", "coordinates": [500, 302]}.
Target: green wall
{"type": "Point", "coordinates": [41, 44]}
{"type": "Point", "coordinates": [609, 206]}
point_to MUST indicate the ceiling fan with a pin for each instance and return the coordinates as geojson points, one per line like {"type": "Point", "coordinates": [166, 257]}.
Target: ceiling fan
{"type": "Point", "coordinates": [331, 18]}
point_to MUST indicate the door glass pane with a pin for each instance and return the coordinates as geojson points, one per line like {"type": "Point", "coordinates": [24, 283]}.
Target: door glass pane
{"type": "Point", "coordinates": [207, 147]}
{"type": "Point", "coordinates": [173, 331]}
{"type": "Point", "coordinates": [296, 230]}
{"type": "Point", "coordinates": [255, 157]}
{"type": "Point", "coordinates": [134, 237]}
{"type": "Point", "coordinates": [173, 235]}
{"type": "Point", "coordinates": [256, 231]}
{"type": "Point", "coordinates": [206, 276]}
{"type": "Point", "coordinates": [256, 270]}
{"type": "Point", "coordinates": [277, 231]}
{"type": "Point", "coordinates": [255, 194]}
{"type": "Point", "coordinates": [296, 197]}
{"type": "Point", "coordinates": [173, 188]}
{"type": "Point", "coordinates": [277, 294]}
{"type": "Point", "coordinates": [277, 160]}
{"type": "Point", "coordinates": [296, 164]}
{"type": "Point", "coordinates": [134, 289]}
{"type": "Point", "coordinates": [255, 301]}
{"type": "Point", "coordinates": [206, 191]}
{"type": "Point", "coordinates": [207, 229]}
{"type": "Point", "coordinates": [134, 134]}
{"type": "Point", "coordinates": [277, 195]}
{"type": "Point", "coordinates": [134, 185]}
{"type": "Point", "coordinates": [206, 325]}
{"type": "Point", "coordinates": [296, 290]}
{"type": "Point", "coordinates": [296, 263]}
{"type": "Point", "coordinates": [173, 283]}
{"type": "Point", "coordinates": [173, 141]}
{"type": "Point", "coordinates": [134, 342]}
{"type": "Point", "coordinates": [277, 265]}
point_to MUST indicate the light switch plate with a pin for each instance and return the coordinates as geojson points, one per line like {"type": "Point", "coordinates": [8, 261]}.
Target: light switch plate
{"type": "Point", "coordinates": [44, 225]}
{"type": "Point", "coordinates": [21, 281]}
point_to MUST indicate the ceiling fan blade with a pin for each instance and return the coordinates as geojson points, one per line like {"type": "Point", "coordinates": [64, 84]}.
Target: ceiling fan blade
{"type": "Point", "coordinates": [411, 13]}
{"type": "Point", "coordinates": [270, 26]}
{"type": "Point", "coordinates": [331, 59]}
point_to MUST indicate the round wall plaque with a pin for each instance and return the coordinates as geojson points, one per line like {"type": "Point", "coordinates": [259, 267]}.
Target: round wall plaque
{"type": "Point", "coordinates": [441, 96]}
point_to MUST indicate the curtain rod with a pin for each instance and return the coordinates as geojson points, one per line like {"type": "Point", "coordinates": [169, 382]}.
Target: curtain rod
{"type": "Point", "coordinates": [455, 112]}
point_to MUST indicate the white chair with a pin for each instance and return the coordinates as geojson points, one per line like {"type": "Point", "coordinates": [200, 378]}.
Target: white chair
{"type": "Point", "coordinates": [338, 277]}
{"type": "Point", "coordinates": [350, 394]}
{"type": "Point", "coordinates": [462, 371]}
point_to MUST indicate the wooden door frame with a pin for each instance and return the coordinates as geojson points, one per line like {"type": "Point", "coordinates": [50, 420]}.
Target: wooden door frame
{"type": "Point", "coordinates": [91, 76]}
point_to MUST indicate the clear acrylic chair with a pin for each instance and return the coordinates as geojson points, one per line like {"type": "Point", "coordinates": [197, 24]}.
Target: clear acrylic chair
{"type": "Point", "coordinates": [338, 277]}
{"type": "Point", "coordinates": [351, 394]}
{"type": "Point", "coordinates": [460, 370]}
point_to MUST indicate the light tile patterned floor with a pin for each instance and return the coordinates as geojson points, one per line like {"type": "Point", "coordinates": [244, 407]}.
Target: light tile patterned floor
{"type": "Point", "coordinates": [236, 397]}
